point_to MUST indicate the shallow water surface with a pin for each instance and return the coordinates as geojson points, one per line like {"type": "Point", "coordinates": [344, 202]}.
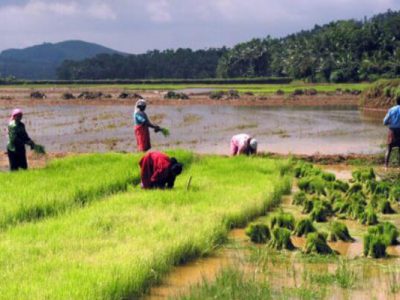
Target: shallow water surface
{"type": "Point", "coordinates": [204, 128]}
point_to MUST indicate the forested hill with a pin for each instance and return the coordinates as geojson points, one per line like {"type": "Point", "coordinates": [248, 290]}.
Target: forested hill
{"type": "Point", "coordinates": [340, 51]}
{"type": "Point", "coordinates": [41, 61]}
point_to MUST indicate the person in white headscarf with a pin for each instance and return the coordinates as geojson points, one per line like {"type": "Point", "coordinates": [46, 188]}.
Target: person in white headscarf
{"type": "Point", "coordinates": [142, 125]}
{"type": "Point", "coordinates": [243, 144]}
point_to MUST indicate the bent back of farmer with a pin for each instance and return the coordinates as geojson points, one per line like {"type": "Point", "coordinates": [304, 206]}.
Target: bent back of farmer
{"type": "Point", "coordinates": [157, 170]}
{"type": "Point", "coordinates": [243, 144]}
{"type": "Point", "coordinates": [17, 139]}
{"type": "Point", "coordinates": [142, 125]}
{"type": "Point", "coordinates": [392, 121]}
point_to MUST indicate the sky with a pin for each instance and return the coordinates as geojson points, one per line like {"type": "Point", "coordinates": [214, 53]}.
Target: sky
{"type": "Point", "coordinates": [135, 26]}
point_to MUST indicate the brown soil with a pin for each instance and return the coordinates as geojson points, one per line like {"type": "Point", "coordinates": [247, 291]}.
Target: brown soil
{"type": "Point", "coordinates": [34, 161]}
{"type": "Point", "coordinates": [21, 96]}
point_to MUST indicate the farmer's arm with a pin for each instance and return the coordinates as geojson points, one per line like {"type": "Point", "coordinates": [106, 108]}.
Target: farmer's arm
{"type": "Point", "coordinates": [386, 120]}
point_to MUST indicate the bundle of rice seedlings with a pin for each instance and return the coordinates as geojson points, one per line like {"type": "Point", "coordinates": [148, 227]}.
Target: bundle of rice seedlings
{"type": "Point", "coordinates": [304, 227]}
{"type": "Point", "coordinates": [385, 207]}
{"type": "Point", "coordinates": [280, 239]}
{"type": "Point", "coordinates": [341, 186]}
{"type": "Point", "coordinates": [308, 205]}
{"type": "Point", "coordinates": [363, 175]}
{"type": "Point", "coordinates": [395, 193]}
{"type": "Point", "coordinates": [328, 176]}
{"type": "Point", "coordinates": [356, 188]}
{"type": "Point", "coordinates": [303, 169]}
{"type": "Point", "coordinates": [339, 232]}
{"type": "Point", "coordinates": [357, 210]}
{"type": "Point", "coordinates": [283, 220]}
{"type": "Point", "coordinates": [259, 233]}
{"type": "Point", "coordinates": [165, 132]}
{"type": "Point", "coordinates": [39, 149]}
{"type": "Point", "coordinates": [321, 211]}
{"type": "Point", "coordinates": [374, 246]}
{"type": "Point", "coordinates": [369, 217]}
{"type": "Point", "coordinates": [316, 243]}
{"type": "Point", "coordinates": [299, 198]}
{"type": "Point", "coordinates": [382, 189]}
{"type": "Point", "coordinates": [387, 230]}
{"type": "Point", "coordinates": [313, 185]}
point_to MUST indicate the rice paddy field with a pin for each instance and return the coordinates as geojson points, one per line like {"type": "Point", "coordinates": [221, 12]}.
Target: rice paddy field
{"type": "Point", "coordinates": [82, 228]}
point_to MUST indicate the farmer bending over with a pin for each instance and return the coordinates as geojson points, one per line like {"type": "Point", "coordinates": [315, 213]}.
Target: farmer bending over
{"type": "Point", "coordinates": [157, 170]}
{"type": "Point", "coordinates": [17, 139]}
{"type": "Point", "coordinates": [243, 144]}
{"type": "Point", "coordinates": [142, 125]}
{"type": "Point", "coordinates": [392, 121]}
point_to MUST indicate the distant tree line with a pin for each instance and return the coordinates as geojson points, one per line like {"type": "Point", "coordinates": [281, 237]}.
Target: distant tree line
{"type": "Point", "coordinates": [340, 51]}
{"type": "Point", "coordinates": [180, 63]}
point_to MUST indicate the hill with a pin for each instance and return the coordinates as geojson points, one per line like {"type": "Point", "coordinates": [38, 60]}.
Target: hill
{"type": "Point", "coordinates": [41, 61]}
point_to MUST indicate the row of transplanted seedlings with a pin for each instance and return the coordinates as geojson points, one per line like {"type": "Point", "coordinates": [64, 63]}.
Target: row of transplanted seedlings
{"type": "Point", "coordinates": [324, 197]}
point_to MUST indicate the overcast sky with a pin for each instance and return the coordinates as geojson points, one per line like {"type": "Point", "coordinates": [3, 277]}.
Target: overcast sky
{"type": "Point", "coordinates": [136, 26]}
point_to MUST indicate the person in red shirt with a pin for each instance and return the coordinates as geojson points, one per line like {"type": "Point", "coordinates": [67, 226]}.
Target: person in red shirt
{"type": "Point", "coordinates": [157, 170]}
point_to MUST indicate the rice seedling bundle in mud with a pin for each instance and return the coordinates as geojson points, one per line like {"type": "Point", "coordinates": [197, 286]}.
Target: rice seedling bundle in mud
{"type": "Point", "coordinates": [280, 239]}
{"type": "Point", "coordinates": [284, 220]}
{"type": "Point", "coordinates": [39, 149]}
{"type": "Point", "coordinates": [339, 232]}
{"type": "Point", "coordinates": [258, 232]}
{"type": "Point", "coordinates": [316, 244]}
{"type": "Point", "coordinates": [304, 227]}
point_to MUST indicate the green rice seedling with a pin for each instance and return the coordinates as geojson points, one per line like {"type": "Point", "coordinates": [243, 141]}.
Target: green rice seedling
{"type": "Point", "coordinates": [334, 196]}
{"type": "Point", "coordinates": [357, 210]}
{"type": "Point", "coordinates": [356, 188]}
{"type": "Point", "coordinates": [382, 189]}
{"type": "Point", "coordinates": [118, 247]}
{"type": "Point", "coordinates": [341, 207]}
{"type": "Point", "coordinates": [385, 207]}
{"type": "Point", "coordinates": [316, 243]}
{"type": "Point", "coordinates": [280, 239]}
{"type": "Point", "coordinates": [304, 227]}
{"type": "Point", "coordinates": [299, 198]}
{"type": "Point", "coordinates": [369, 217]}
{"type": "Point", "coordinates": [362, 175]}
{"type": "Point", "coordinates": [395, 193]}
{"type": "Point", "coordinates": [283, 220]}
{"type": "Point", "coordinates": [344, 275]}
{"type": "Point", "coordinates": [165, 132]}
{"type": "Point", "coordinates": [340, 185]}
{"type": "Point", "coordinates": [339, 232]}
{"type": "Point", "coordinates": [387, 230]}
{"type": "Point", "coordinates": [374, 246]}
{"type": "Point", "coordinates": [370, 186]}
{"type": "Point", "coordinates": [309, 205]}
{"type": "Point", "coordinates": [304, 169]}
{"type": "Point", "coordinates": [39, 149]}
{"type": "Point", "coordinates": [321, 211]}
{"type": "Point", "coordinates": [328, 176]}
{"type": "Point", "coordinates": [258, 232]}
{"type": "Point", "coordinates": [313, 185]}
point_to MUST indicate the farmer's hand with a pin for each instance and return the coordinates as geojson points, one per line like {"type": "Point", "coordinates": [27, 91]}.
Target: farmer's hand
{"type": "Point", "coordinates": [32, 144]}
{"type": "Point", "coordinates": [157, 128]}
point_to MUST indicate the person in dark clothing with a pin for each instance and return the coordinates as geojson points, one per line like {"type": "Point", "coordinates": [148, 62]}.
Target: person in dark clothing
{"type": "Point", "coordinates": [157, 170]}
{"type": "Point", "coordinates": [17, 139]}
{"type": "Point", "coordinates": [392, 121]}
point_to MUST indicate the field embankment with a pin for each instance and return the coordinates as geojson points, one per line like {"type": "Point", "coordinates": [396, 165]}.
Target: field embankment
{"type": "Point", "coordinates": [116, 248]}
{"type": "Point", "coordinates": [381, 95]}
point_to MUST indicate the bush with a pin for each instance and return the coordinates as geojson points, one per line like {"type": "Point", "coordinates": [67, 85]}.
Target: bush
{"type": "Point", "coordinates": [304, 227]}
{"type": "Point", "coordinates": [316, 243]}
{"type": "Point", "coordinates": [233, 94]}
{"type": "Point", "coordinates": [259, 233]}
{"type": "Point", "coordinates": [68, 96]}
{"type": "Point", "coordinates": [298, 92]}
{"type": "Point", "coordinates": [38, 95]}
{"type": "Point", "coordinates": [280, 239]}
{"type": "Point", "coordinates": [339, 232]}
{"type": "Point", "coordinates": [283, 220]}
{"type": "Point", "coordinates": [280, 92]}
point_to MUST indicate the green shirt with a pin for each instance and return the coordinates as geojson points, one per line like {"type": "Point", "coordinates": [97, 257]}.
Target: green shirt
{"type": "Point", "coordinates": [17, 136]}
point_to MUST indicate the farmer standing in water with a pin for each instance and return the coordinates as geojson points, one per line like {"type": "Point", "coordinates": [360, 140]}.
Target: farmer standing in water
{"type": "Point", "coordinates": [157, 170]}
{"type": "Point", "coordinates": [142, 124]}
{"type": "Point", "coordinates": [17, 139]}
{"type": "Point", "coordinates": [243, 144]}
{"type": "Point", "coordinates": [392, 121]}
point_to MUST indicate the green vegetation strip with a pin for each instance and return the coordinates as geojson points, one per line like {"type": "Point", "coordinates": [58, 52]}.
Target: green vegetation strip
{"type": "Point", "coordinates": [63, 184]}
{"type": "Point", "coordinates": [116, 248]}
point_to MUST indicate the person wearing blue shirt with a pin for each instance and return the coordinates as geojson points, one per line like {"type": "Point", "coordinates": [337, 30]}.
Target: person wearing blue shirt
{"type": "Point", "coordinates": [392, 121]}
{"type": "Point", "coordinates": [142, 125]}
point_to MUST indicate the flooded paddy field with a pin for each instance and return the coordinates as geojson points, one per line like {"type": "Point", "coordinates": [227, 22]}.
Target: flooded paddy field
{"type": "Point", "coordinates": [290, 274]}
{"type": "Point", "coordinates": [203, 128]}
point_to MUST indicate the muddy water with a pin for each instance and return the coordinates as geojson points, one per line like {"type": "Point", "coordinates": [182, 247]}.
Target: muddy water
{"type": "Point", "coordinates": [373, 279]}
{"type": "Point", "coordinates": [203, 128]}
